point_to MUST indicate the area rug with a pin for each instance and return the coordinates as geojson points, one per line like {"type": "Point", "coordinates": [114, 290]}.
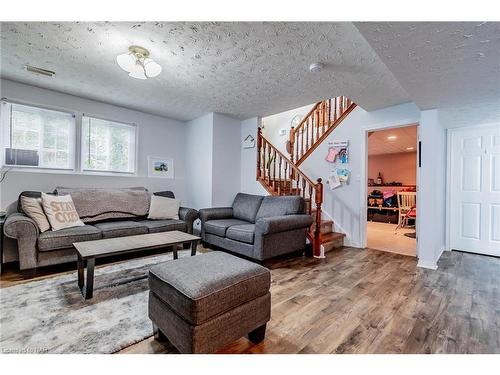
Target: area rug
{"type": "Point", "coordinates": [51, 316]}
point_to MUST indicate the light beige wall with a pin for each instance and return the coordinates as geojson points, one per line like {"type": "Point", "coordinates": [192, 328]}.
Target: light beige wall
{"type": "Point", "coordinates": [401, 167]}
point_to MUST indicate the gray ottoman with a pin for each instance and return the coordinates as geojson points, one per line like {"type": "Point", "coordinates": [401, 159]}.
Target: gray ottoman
{"type": "Point", "coordinates": [203, 303]}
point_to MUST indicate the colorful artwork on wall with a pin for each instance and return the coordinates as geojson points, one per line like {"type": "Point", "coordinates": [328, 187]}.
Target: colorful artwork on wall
{"type": "Point", "coordinates": [160, 167]}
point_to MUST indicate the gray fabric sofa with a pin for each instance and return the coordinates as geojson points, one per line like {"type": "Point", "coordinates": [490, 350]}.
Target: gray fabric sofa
{"type": "Point", "coordinates": [107, 213]}
{"type": "Point", "coordinates": [257, 227]}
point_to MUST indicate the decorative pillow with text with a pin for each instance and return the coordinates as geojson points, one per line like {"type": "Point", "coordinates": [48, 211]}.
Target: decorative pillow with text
{"type": "Point", "coordinates": [60, 211]}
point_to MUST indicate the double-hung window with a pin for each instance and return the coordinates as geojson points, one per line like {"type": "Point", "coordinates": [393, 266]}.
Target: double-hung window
{"type": "Point", "coordinates": [37, 137]}
{"type": "Point", "coordinates": [108, 146]}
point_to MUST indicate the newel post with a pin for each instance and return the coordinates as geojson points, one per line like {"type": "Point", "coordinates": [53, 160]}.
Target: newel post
{"type": "Point", "coordinates": [259, 147]}
{"type": "Point", "coordinates": [317, 230]}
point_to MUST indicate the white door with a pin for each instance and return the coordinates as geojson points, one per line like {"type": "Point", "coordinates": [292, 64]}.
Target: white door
{"type": "Point", "coordinates": [475, 190]}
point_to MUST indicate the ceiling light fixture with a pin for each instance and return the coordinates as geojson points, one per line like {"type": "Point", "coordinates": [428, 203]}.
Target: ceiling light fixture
{"type": "Point", "coordinates": [138, 64]}
{"type": "Point", "coordinates": [392, 137]}
{"type": "Point", "coordinates": [315, 67]}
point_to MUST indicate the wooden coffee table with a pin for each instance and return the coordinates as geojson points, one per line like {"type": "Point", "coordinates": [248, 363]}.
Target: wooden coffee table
{"type": "Point", "coordinates": [88, 251]}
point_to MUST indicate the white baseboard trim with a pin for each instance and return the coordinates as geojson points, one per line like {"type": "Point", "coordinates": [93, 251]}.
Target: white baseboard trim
{"type": "Point", "coordinates": [321, 254]}
{"type": "Point", "coordinates": [432, 265]}
{"type": "Point", "coordinates": [441, 251]}
{"type": "Point", "coordinates": [427, 265]}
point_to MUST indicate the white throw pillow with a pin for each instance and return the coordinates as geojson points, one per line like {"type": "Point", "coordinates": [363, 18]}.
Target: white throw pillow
{"type": "Point", "coordinates": [60, 211]}
{"type": "Point", "coordinates": [162, 208]}
{"type": "Point", "coordinates": [32, 207]}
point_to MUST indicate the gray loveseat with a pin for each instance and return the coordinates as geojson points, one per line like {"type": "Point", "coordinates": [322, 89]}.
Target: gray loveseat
{"type": "Point", "coordinates": [107, 213]}
{"type": "Point", "coordinates": [257, 227]}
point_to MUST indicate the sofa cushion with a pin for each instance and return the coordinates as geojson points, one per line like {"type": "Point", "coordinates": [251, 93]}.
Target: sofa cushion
{"type": "Point", "coordinates": [64, 238]}
{"type": "Point", "coordinates": [243, 233]}
{"type": "Point", "coordinates": [245, 206]}
{"type": "Point", "coordinates": [280, 206]}
{"type": "Point", "coordinates": [219, 227]}
{"type": "Point", "coordinates": [225, 283]}
{"type": "Point", "coordinates": [155, 226]}
{"type": "Point", "coordinates": [113, 229]}
{"type": "Point", "coordinates": [94, 205]}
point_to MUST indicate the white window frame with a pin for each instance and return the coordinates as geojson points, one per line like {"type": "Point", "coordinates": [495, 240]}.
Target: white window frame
{"type": "Point", "coordinates": [77, 155]}
{"type": "Point", "coordinates": [82, 153]}
{"type": "Point", "coordinates": [6, 130]}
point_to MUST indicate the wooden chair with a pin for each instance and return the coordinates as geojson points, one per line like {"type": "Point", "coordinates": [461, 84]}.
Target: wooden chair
{"type": "Point", "coordinates": [407, 201]}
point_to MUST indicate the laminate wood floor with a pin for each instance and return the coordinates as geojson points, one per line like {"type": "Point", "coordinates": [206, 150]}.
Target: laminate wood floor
{"type": "Point", "coordinates": [369, 301]}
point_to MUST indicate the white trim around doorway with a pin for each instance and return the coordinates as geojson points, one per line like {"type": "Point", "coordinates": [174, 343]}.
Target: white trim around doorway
{"type": "Point", "coordinates": [364, 173]}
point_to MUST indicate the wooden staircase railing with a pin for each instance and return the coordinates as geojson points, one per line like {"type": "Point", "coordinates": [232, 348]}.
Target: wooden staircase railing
{"type": "Point", "coordinates": [280, 176]}
{"type": "Point", "coordinates": [323, 118]}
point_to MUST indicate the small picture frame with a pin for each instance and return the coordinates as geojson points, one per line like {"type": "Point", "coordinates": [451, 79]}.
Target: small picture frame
{"type": "Point", "coordinates": [160, 167]}
{"type": "Point", "coordinates": [249, 141]}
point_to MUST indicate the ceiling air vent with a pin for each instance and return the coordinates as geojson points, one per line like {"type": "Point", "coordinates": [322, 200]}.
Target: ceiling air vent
{"type": "Point", "coordinates": [41, 71]}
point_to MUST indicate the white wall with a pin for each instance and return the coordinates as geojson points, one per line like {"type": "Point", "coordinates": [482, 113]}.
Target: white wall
{"type": "Point", "coordinates": [158, 136]}
{"type": "Point", "coordinates": [249, 159]}
{"type": "Point", "coordinates": [198, 148]}
{"type": "Point", "coordinates": [212, 160]}
{"type": "Point", "coordinates": [226, 160]}
{"type": "Point", "coordinates": [431, 216]}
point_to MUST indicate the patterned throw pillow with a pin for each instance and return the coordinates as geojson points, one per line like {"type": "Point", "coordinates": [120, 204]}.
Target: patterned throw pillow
{"type": "Point", "coordinates": [33, 208]}
{"type": "Point", "coordinates": [60, 211]}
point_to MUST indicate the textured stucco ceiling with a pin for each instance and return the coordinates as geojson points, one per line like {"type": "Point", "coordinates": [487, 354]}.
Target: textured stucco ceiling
{"type": "Point", "coordinates": [441, 64]}
{"type": "Point", "coordinates": [240, 69]}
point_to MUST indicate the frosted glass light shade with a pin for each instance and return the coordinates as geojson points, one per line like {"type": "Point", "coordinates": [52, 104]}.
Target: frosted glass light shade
{"type": "Point", "coordinates": [126, 61]}
{"type": "Point", "coordinates": [138, 73]}
{"type": "Point", "coordinates": [152, 68]}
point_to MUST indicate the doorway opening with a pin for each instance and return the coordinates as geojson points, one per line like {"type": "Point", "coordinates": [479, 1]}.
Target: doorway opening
{"type": "Point", "coordinates": [391, 190]}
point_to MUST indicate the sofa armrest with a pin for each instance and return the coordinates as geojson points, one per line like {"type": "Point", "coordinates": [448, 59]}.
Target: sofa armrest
{"type": "Point", "coordinates": [25, 230]}
{"type": "Point", "coordinates": [276, 224]}
{"type": "Point", "coordinates": [188, 215]}
{"type": "Point", "coordinates": [216, 213]}
{"type": "Point", "coordinates": [19, 225]}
